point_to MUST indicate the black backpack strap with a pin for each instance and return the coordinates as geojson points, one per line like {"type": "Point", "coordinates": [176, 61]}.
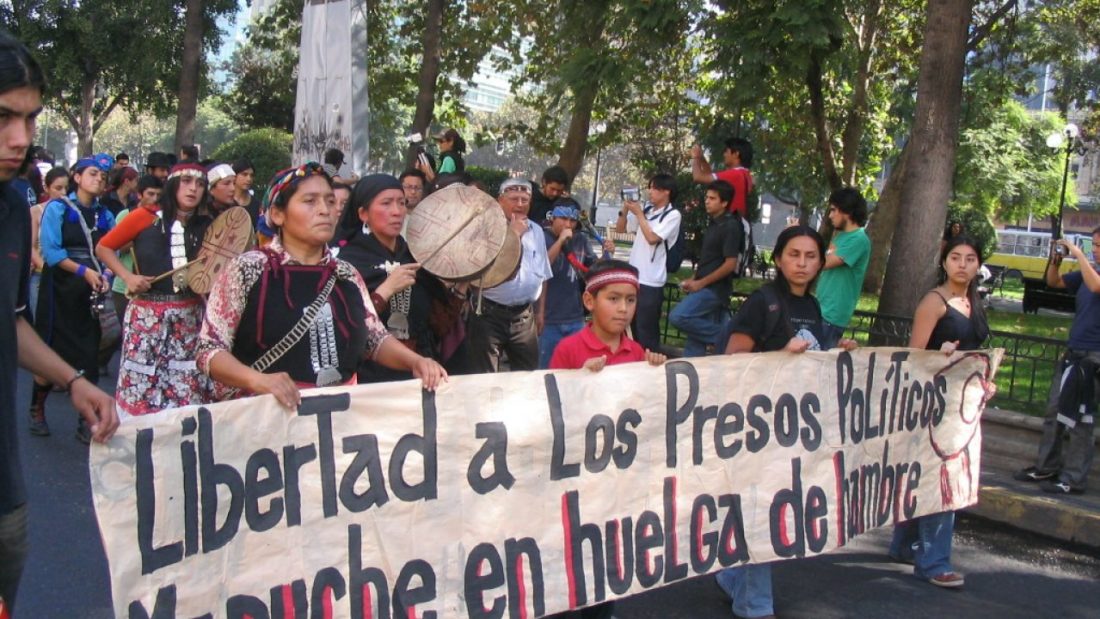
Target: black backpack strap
{"type": "Point", "coordinates": [774, 319]}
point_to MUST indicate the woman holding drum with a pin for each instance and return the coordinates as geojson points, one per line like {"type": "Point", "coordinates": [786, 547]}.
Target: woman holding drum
{"type": "Point", "coordinates": [416, 307]}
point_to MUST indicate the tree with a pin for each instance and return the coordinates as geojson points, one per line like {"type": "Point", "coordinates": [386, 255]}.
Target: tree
{"type": "Point", "coordinates": [928, 182]}
{"type": "Point", "coordinates": [432, 43]}
{"type": "Point", "coordinates": [626, 64]}
{"type": "Point", "coordinates": [814, 80]}
{"type": "Point", "coordinates": [262, 70]}
{"type": "Point", "coordinates": [1005, 170]}
{"type": "Point", "coordinates": [103, 54]}
{"type": "Point", "coordinates": [200, 34]}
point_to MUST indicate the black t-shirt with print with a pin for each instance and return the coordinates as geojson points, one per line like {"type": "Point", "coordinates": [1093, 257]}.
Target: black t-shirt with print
{"type": "Point", "coordinates": [803, 318]}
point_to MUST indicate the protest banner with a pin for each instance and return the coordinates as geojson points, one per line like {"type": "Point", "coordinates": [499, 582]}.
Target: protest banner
{"type": "Point", "coordinates": [526, 493]}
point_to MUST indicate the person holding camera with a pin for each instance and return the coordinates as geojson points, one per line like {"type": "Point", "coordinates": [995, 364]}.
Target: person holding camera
{"type": "Point", "coordinates": [1062, 468]}
{"type": "Point", "coordinates": [658, 230]}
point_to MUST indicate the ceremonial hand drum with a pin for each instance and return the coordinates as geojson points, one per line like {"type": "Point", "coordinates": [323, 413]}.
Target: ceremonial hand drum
{"type": "Point", "coordinates": [506, 264]}
{"type": "Point", "coordinates": [225, 239]}
{"type": "Point", "coordinates": [457, 232]}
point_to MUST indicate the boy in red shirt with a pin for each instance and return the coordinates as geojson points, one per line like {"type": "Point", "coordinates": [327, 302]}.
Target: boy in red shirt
{"type": "Point", "coordinates": [611, 295]}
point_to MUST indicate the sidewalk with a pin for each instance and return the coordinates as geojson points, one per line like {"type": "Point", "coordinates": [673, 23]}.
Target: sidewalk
{"type": "Point", "coordinates": [1009, 442]}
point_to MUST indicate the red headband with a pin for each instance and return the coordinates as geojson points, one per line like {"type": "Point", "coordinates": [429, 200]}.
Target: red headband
{"type": "Point", "coordinates": [611, 276]}
{"type": "Point", "coordinates": [187, 169]}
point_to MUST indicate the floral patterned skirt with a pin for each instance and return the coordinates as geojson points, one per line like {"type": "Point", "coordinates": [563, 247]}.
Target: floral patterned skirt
{"type": "Point", "coordinates": [158, 370]}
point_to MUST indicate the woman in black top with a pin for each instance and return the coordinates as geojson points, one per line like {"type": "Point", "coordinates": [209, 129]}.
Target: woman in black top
{"type": "Point", "coordinates": [416, 307]}
{"type": "Point", "coordinates": [949, 318]}
{"type": "Point", "coordinates": [781, 315]}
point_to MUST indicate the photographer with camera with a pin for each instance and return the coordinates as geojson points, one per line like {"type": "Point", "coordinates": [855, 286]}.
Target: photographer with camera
{"type": "Point", "coordinates": [658, 230]}
{"type": "Point", "coordinates": [1071, 409]}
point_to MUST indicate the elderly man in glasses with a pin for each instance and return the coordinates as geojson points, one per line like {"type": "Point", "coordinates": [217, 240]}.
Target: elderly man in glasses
{"type": "Point", "coordinates": [507, 322]}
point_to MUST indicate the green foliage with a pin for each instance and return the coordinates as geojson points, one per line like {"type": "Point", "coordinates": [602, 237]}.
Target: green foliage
{"type": "Point", "coordinates": [1004, 168]}
{"type": "Point", "coordinates": [262, 70]}
{"type": "Point", "coordinates": [490, 177]}
{"type": "Point", "coordinates": [766, 60]}
{"type": "Point", "coordinates": [976, 224]}
{"type": "Point", "coordinates": [268, 149]}
{"type": "Point", "coordinates": [636, 54]}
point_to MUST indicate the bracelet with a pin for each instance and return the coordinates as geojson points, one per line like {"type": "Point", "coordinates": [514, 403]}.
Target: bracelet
{"type": "Point", "coordinates": [81, 270]}
{"type": "Point", "coordinates": [69, 385]}
{"type": "Point", "coordinates": [380, 304]}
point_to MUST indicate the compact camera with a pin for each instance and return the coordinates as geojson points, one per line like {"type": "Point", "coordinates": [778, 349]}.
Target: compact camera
{"type": "Point", "coordinates": [1061, 250]}
{"type": "Point", "coordinates": [630, 194]}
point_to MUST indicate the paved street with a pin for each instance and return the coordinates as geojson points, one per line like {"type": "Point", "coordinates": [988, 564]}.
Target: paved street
{"type": "Point", "coordinates": [1008, 574]}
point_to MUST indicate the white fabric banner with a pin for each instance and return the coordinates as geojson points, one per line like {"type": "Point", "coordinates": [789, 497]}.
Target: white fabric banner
{"type": "Point", "coordinates": [326, 115]}
{"type": "Point", "coordinates": [526, 493]}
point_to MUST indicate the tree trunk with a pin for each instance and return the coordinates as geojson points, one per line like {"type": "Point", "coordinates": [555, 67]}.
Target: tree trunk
{"type": "Point", "coordinates": [191, 63]}
{"type": "Point", "coordinates": [856, 120]}
{"type": "Point", "coordinates": [432, 42]}
{"type": "Point", "coordinates": [83, 124]}
{"type": "Point", "coordinates": [576, 140]}
{"type": "Point", "coordinates": [584, 91]}
{"type": "Point", "coordinates": [820, 122]}
{"type": "Point", "coordinates": [927, 186]}
{"type": "Point", "coordinates": [883, 223]}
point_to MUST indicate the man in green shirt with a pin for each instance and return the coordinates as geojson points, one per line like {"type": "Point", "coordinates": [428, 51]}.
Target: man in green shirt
{"type": "Point", "coordinates": [845, 263]}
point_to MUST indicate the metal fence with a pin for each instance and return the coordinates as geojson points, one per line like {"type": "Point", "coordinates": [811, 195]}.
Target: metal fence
{"type": "Point", "coordinates": [1023, 380]}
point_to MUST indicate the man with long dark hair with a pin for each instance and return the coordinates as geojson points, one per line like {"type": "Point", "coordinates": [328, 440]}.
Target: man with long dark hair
{"type": "Point", "coordinates": [845, 262]}
{"type": "Point", "coordinates": [21, 85]}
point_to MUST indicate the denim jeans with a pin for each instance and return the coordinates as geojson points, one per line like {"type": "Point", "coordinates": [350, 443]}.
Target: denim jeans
{"type": "Point", "coordinates": [830, 335]}
{"type": "Point", "coordinates": [700, 316]}
{"type": "Point", "coordinates": [1073, 459]}
{"type": "Point", "coordinates": [32, 302]}
{"type": "Point", "coordinates": [749, 588]}
{"type": "Point", "coordinates": [551, 335]}
{"type": "Point", "coordinates": [13, 553]}
{"type": "Point", "coordinates": [927, 541]}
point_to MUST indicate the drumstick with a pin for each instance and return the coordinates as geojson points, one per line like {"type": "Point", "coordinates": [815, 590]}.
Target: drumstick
{"type": "Point", "coordinates": [478, 211]}
{"type": "Point", "coordinates": [168, 274]}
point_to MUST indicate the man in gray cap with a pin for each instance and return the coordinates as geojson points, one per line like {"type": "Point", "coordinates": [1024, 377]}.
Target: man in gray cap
{"type": "Point", "coordinates": [507, 322]}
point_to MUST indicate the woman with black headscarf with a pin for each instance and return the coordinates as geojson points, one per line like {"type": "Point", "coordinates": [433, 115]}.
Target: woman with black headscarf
{"type": "Point", "coordinates": [416, 307]}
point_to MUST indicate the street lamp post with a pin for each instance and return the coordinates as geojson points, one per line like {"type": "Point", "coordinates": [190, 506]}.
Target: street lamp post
{"type": "Point", "coordinates": [1063, 139]}
{"type": "Point", "coordinates": [598, 130]}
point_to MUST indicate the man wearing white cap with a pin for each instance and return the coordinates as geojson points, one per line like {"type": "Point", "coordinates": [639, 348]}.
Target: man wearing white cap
{"type": "Point", "coordinates": [507, 319]}
{"type": "Point", "coordinates": [221, 177]}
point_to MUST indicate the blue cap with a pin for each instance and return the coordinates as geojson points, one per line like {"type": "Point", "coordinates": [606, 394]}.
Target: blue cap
{"type": "Point", "coordinates": [567, 212]}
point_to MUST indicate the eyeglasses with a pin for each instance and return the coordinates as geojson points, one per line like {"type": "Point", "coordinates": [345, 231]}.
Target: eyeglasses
{"type": "Point", "coordinates": [412, 187]}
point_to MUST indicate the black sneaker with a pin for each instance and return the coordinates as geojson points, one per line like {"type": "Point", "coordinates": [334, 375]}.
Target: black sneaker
{"type": "Point", "coordinates": [1033, 474]}
{"type": "Point", "coordinates": [39, 427]}
{"type": "Point", "coordinates": [1054, 486]}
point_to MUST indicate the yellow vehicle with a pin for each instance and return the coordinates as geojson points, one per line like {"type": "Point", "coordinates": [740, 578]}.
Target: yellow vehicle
{"type": "Point", "coordinates": [1027, 252]}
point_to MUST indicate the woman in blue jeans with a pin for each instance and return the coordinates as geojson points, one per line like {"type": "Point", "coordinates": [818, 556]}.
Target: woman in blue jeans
{"type": "Point", "coordinates": [949, 318]}
{"type": "Point", "coordinates": [799, 255]}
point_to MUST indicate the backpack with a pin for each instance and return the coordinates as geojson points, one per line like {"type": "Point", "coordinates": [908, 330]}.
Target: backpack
{"type": "Point", "coordinates": [776, 318]}
{"type": "Point", "coordinates": [674, 253]}
{"type": "Point", "coordinates": [748, 247]}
